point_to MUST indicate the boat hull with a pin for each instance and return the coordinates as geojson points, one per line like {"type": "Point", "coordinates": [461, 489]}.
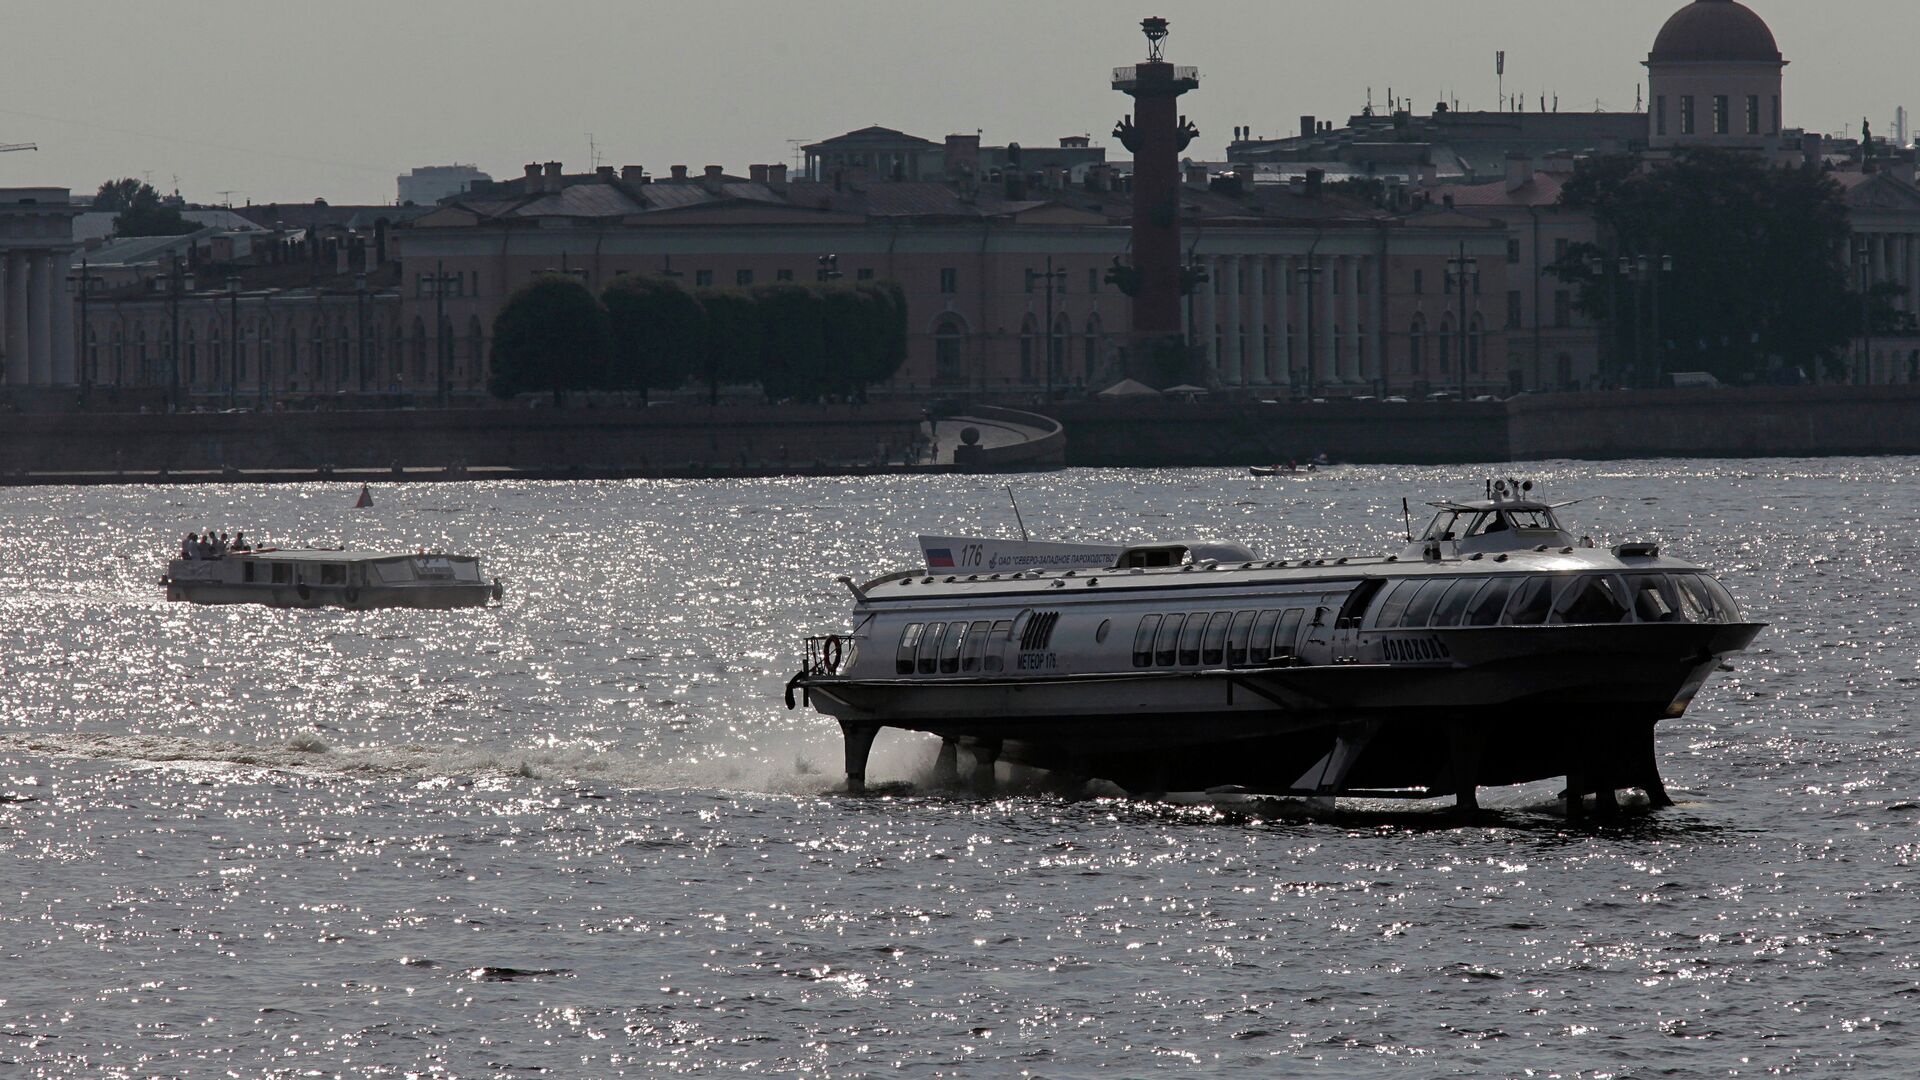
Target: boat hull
{"type": "Point", "coordinates": [1524, 703]}
{"type": "Point", "coordinates": [366, 598]}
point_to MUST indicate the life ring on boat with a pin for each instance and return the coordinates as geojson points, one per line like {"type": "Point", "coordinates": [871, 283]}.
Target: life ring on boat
{"type": "Point", "coordinates": [351, 593]}
{"type": "Point", "coordinates": [830, 654]}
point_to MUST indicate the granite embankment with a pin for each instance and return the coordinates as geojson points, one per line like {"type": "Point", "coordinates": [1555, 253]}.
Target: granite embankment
{"type": "Point", "coordinates": [667, 440]}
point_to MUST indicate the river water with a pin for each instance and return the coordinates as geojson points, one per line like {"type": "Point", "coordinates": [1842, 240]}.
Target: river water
{"type": "Point", "coordinates": [577, 834]}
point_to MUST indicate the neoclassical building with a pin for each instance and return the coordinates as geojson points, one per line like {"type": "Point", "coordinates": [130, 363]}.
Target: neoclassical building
{"type": "Point", "coordinates": [1714, 78]}
{"type": "Point", "coordinates": [36, 313]}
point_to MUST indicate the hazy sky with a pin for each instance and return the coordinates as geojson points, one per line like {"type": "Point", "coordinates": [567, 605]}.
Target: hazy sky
{"type": "Point", "coordinates": [290, 101]}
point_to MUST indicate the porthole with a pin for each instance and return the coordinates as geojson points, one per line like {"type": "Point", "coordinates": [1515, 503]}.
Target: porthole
{"type": "Point", "coordinates": [1100, 635]}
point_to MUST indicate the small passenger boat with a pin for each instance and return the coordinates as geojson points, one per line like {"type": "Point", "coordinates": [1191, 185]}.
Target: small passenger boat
{"type": "Point", "coordinates": [321, 578]}
{"type": "Point", "coordinates": [1495, 649]}
{"type": "Point", "coordinates": [1278, 470]}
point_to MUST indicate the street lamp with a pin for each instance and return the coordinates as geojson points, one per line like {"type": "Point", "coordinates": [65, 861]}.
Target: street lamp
{"type": "Point", "coordinates": [1462, 272]}
{"type": "Point", "coordinates": [1862, 256]}
{"type": "Point", "coordinates": [360, 299]}
{"type": "Point", "coordinates": [440, 280]}
{"type": "Point", "coordinates": [1646, 270]}
{"type": "Point", "coordinates": [86, 337]}
{"type": "Point", "coordinates": [829, 268]}
{"type": "Point", "coordinates": [1051, 276]}
{"type": "Point", "coordinates": [177, 283]}
{"type": "Point", "coordinates": [1309, 276]}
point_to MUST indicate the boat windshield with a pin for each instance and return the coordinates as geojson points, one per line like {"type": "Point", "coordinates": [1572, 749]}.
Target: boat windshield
{"type": "Point", "coordinates": [1460, 524]}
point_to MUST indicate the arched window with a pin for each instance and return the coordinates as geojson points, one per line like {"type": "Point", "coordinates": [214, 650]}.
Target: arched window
{"type": "Point", "coordinates": [1029, 347]}
{"type": "Point", "coordinates": [1093, 350]}
{"type": "Point", "coordinates": [1475, 329]}
{"type": "Point", "coordinates": [240, 332]}
{"type": "Point", "coordinates": [316, 355]}
{"type": "Point", "coordinates": [1446, 344]}
{"type": "Point", "coordinates": [1416, 344]}
{"type": "Point", "coordinates": [263, 333]}
{"type": "Point", "coordinates": [418, 375]}
{"type": "Point", "coordinates": [1062, 346]}
{"type": "Point", "coordinates": [476, 352]}
{"type": "Point", "coordinates": [216, 356]}
{"type": "Point", "coordinates": [949, 349]}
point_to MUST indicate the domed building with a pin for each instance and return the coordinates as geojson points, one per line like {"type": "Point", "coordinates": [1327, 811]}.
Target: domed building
{"type": "Point", "coordinates": [1714, 76]}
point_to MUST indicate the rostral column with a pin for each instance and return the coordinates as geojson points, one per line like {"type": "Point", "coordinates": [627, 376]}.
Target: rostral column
{"type": "Point", "coordinates": [1156, 135]}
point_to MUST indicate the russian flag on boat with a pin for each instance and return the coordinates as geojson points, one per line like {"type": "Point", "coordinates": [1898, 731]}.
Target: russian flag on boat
{"type": "Point", "coordinates": [938, 558]}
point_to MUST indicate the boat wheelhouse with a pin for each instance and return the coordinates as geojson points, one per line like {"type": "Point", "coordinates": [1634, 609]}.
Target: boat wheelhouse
{"type": "Point", "coordinates": [1494, 649]}
{"type": "Point", "coordinates": [319, 578]}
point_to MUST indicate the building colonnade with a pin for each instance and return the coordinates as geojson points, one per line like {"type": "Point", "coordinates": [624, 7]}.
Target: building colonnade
{"type": "Point", "coordinates": [36, 316]}
{"type": "Point", "coordinates": [1890, 257]}
{"type": "Point", "coordinates": [1293, 320]}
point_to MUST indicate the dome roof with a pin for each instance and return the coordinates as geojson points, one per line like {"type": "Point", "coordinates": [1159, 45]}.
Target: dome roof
{"type": "Point", "coordinates": [1715, 30]}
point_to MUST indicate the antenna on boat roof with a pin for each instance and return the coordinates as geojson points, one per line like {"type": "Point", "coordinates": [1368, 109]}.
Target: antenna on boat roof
{"type": "Point", "coordinates": [1406, 514]}
{"type": "Point", "coordinates": [1016, 513]}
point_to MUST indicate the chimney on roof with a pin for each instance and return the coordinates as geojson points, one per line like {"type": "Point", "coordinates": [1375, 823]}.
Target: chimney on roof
{"type": "Point", "coordinates": [1316, 178]}
{"type": "Point", "coordinates": [757, 173]}
{"type": "Point", "coordinates": [554, 178]}
{"type": "Point", "coordinates": [715, 176]}
{"type": "Point", "coordinates": [605, 173]}
{"type": "Point", "coordinates": [1519, 171]}
{"type": "Point", "coordinates": [633, 174]}
{"type": "Point", "coordinates": [1308, 126]}
{"type": "Point", "coordinates": [679, 172]}
{"type": "Point", "coordinates": [533, 178]}
{"type": "Point", "coordinates": [1196, 175]}
{"type": "Point", "coordinates": [777, 177]}
{"type": "Point", "coordinates": [1810, 148]}
{"type": "Point", "coordinates": [963, 156]}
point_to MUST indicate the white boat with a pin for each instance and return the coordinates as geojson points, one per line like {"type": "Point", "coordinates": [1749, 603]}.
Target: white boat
{"type": "Point", "coordinates": [321, 578]}
{"type": "Point", "coordinates": [1495, 649]}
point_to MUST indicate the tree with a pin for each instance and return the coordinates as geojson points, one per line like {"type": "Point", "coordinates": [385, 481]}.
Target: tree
{"type": "Point", "coordinates": [890, 350]}
{"type": "Point", "coordinates": [659, 332]}
{"type": "Point", "coordinates": [550, 335]}
{"type": "Point", "coordinates": [852, 337]}
{"type": "Point", "coordinates": [793, 352]}
{"type": "Point", "coordinates": [731, 351]}
{"type": "Point", "coordinates": [1756, 264]}
{"type": "Point", "coordinates": [139, 210]}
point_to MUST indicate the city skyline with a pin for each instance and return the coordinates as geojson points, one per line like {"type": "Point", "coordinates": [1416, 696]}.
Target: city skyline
{"type": "Point", "coordinates": [264, 104]}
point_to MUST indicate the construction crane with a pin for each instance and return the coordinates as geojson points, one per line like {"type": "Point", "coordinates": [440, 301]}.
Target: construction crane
{"type": "Point", "coordinates": [9, 147]}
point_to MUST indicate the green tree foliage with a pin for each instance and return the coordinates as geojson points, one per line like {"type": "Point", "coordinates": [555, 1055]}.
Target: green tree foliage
{"type": "Point", "coordinates": [139, 211]}
{"type": "Point", "coordinates": [659, 332]}
{"type": "Point", "coordinates": [731, 351]}
{"type": "Point", "coordinates": [1756, 272]}
{"type": "Point", "coordinates": [891, 350]}
{"type": "Point", "coordinates": [793, 348]}
{"type": "Point", "coordinates": [551, 335]}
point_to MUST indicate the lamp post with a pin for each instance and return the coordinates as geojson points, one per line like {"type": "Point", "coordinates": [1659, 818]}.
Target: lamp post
{"type": "Point", "coordinates": [177, 282]}
{"type": "Point", "coordinates": [1193, 275]}
{"type": "Point", "coordinates": [1462, 272]}
{"type": "Point", "coordinates": [1646, 270]}
{"type": "Point", "coordinates": [829, 268]}
{"type": "Point", "coordinates": [263, 382]}
{"type": "Point", "coordinates": [86, 338]}
{"type": "Point", "coordinates": [1051, 276]}
{"type": "Point", "coordinates": [440, 280]}
{"type": "Point", "coordinates": [233, 336]}
{"type": "Point", "coordinates": [1309, 276]}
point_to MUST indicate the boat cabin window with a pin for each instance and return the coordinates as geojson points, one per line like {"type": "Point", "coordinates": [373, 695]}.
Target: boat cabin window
{"type": "Point", "coordinates": [280, 573]}
{"type": "Point", "coordinates": [246, 570]}
{"type": "Point", "coordinates": [1592, 599]}
{"type": "Point", "coordinates": [1486, 607]}
{"type": "Point", "coordinates": [976, 645]}
{"type": "Point", "coordinates": [1237, 638]}
{"type": "Point", "coordinates": [1143, 640]}
{"type": "Point", "coordinates": [1394, 607]}
{"type": "Point", "coordinates": [1421, 608]}
{"type": "Point", "coordinates": [1190, 638]}
{"type": "Point", "coordinates": [1442, 527]}
{"type": "Point", "coordinates": [1709, 597]}
{"type": "Point", "coordinates": [1148, 557]}
{"type": "Point", "coordinates": [1286, 639]}
{"type": "Point", "coordinates": [929, 658]}
{"type": "Point", "coordinates": [909, 645]}
{"type": "Point", "coordinates": [950, 652]}
{"type": "Point", "coordinates": [1261, 646]}
{"type": "Point", "coordinates": [1453, 603]}
{"type": "Point", "coordinates": [1531, 603]}
{"type": "Point", "coordinates": [1166, 648]}
{"type": "Point", "coordinates": [333, 574]}
{"type": "Point", "coordinates": [997, 645]}
{"type": "Point", "coordinates": [1655, 598]}
{"type": "Point", "coordinates": [1213, 645]}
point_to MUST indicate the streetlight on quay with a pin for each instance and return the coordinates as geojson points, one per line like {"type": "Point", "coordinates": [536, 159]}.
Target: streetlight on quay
{"type": "Point", "coordinates": [360, 299]}
{"type": "Point", "coordinates": [86, 330]}
{"type": "Point", "coordinates": [1646, 270]}
{"type": "Point", "coordinates": [1051, 276]}
{"type": "Point", "coordinates": [440, 280]}
{"type": "Point", "coordinates": [1309, 277]}
{"type": "Point", "coordinates": [829, 268]}
{"type": "Point", "coordinates": [1463, 272]}
{"type": "Point", "coordinates": [1862, 258]}
{"type": "Point", "coordinates": [177, 283]}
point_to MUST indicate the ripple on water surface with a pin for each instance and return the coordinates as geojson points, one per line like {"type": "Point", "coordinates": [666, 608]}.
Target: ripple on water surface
{"type": "Point", "coordinates": [577, 832]}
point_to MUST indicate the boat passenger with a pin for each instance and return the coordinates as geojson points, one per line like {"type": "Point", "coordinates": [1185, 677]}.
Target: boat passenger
{"type": "Point", "coordinates": [188, 546]}
{"type": "Point", "coordinates": [240, 541]}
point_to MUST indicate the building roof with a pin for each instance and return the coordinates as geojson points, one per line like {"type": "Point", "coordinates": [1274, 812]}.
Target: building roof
{"type": "Point", "coordinates": [870, 137]}
{"type": "Point", "coordinates": [1715, 31]}
{"type": "Point", "coordinates": [1540, 189]}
